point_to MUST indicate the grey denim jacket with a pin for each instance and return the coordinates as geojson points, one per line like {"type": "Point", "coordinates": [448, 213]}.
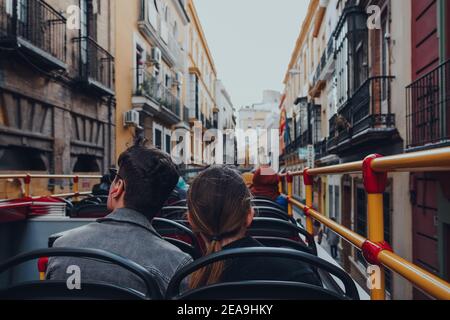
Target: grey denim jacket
{"type": "Point", "coordinates": [129, 234]}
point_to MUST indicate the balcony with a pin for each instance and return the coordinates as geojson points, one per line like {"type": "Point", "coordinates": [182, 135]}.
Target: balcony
{"type": "Point", "coordinates": [364, 118]}
{"type": "Point", "coordinates": [324, 70]}
{"type": "Point", "coordinates": [320, 149]}
{"type": "Point", "coordinates": [36, 29]}
{"type": "Point", "coordinates": [156, 99]}
{"type": "Point", "coordinates": [301, 141]}
{"type": "Point", "coordinates": [428, 110]}
{"type": "Point", "coordinates": [94, 66]}
{"type": "Point", "coordinates": [157, 31]}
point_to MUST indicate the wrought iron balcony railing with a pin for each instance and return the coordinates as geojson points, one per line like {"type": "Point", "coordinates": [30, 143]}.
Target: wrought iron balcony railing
{"type": "Point", "coordinates": [34, 25]}
{"type": "Point", "coordinates": [150, 87]}
{"type": "Point", "coordinates": [301, 141]}
{"type": "Point", "coordinates": [320, 149]}
{"type": "Point", "coordinates": [428, 108]}
{"type": "Point", "coordinates": [368, 108]}
{"type": "Point", "coordinates": [94, 65]}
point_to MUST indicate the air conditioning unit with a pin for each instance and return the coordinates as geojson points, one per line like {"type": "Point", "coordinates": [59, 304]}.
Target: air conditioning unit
{"type": "Point", "coordinates": [156, 57]}
{"type": "Point", "coordinates": [131, 119]}
{"type": "Point", "coordinates": [179, 78]}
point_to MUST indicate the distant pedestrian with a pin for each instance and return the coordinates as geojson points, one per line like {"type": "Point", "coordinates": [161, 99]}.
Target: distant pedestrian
{"type": "Point", "coordinates": [265, 184]}
{"type": "Point", "coordinates": [318, 231]}
{"type": "Point", "coordinates": [333, 241]}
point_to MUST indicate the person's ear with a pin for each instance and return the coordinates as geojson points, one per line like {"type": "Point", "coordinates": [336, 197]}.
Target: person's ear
{"type": "Point", "coordinates": [118, 189]}
{"type": "Point", "coordinates": [250, 217]}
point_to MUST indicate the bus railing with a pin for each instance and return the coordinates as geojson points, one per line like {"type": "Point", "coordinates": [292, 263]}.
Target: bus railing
{"type": "Point", "coordinates": [27, 179]}
{"type": "Point", "coordinates": [375, 249]}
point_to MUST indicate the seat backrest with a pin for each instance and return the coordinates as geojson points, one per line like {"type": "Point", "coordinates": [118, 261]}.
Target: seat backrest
{"type": "Point", "coordinates": [271, 212]}
{"type": "Point", "coordinates": [284, 243]}
{"type": "Point", "coordinates": [173, 213]}
{"type": "Point", "coordinates": [173, 290]}
{"type": "Point", "coordinates": [179, 203]}
{"type": "Point", "coordinates": [275, 228]}
{"type": "Point", "coordinates": [179, 235]}
{"type": "Point", "coordinates": [266, 203]}
{"type": "Point", "coordinates": [44, 290]}
{"type": "Point", "coordinates": [57, 290]}
{"type": "Point", "coordinates": [261, 290]}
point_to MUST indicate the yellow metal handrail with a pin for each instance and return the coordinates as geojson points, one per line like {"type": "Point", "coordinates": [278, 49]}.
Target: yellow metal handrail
{"type": "Point", "coordinates": [27, 178]}
{"type": "Point", "coordinates": [375, 249]}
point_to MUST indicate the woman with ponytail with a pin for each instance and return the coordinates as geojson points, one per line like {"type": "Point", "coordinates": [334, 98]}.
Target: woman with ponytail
{"type": "Point", "coordinates": [219, 204]}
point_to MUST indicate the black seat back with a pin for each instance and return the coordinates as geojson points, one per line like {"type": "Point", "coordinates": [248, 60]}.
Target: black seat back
{"type": "Point", "coordinates": [173, 213]}
{"type": "Point", "coordinates": [92, 290]}
{"type": "Point", "coordinates": [260, 289]}
{"type": "Point", "coordinates": [275, 228]}
{"type": "Point", "coordinates": [57, 290]}
{"type": "Point", "coordinates": [270, 212]}
{"type": "Point", "coordinates": [267, 203]}
{"type": "Point", "coordinates": [179, 203]}
{"type": "Point", "coordinates": [179, 235]}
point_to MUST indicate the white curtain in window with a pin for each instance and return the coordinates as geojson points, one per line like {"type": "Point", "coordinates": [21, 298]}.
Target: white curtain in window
{"type": "Point", "coordinates": [9, 7]}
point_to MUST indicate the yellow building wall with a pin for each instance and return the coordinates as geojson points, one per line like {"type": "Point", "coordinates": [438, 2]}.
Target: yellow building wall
{"type": "Point", "coordinates": [127, 15]}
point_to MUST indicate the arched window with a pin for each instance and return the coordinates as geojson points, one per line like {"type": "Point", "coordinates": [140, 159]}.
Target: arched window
{"type": "Point", "coordinates": [22, 159]}
{"type": "Point", "coordinates": [86, 164]}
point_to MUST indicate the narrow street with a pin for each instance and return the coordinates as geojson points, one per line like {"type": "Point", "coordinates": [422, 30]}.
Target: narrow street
{"type": "Point", "coordinates": [335, 114]}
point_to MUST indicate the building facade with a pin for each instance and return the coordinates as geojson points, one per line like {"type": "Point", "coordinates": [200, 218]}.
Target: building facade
{"type": "Point", "coordinates": [151, 70]}
{"type": "Point", "coordinates": [428, 127]}
{"type": "Point", "coordinates": [57, 106]}
{"type": "Point", "coordinates": [225, 117]}
{"type": "Point", "coordinates": [345, 99]}
{"type": "Point", "coordinates": [257, 122]}
{"type": "Point", "coordinates": [201, 85]}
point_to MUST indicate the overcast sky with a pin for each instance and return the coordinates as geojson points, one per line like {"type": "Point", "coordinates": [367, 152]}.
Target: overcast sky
{"type": "Point", "coordinates": [251, 42]}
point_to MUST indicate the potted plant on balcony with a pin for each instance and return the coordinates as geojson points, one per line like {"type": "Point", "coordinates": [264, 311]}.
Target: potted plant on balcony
{"type": "Point", "coordinates": [342, 124]}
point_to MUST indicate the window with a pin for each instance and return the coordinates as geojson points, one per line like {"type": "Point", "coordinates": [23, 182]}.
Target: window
{"type": "Point", "coordinates": [330, 201]}
{"type": "Point", "coordinates": [337, 211]}
{"type": "Point", "coordinates": [139, 70]}
{"type": "Point", "coordinates": [158, 139]}
{"type": "Point", "coordinates": [153, 13]}
{"type": "Point", "coordinates": [9, 7]}
{"type": "Point", "coordinates": [22, 11]}
{"type": "Point", "coordinates": [167, 81]}
{"type": "Point", "coordinates": [175, 30]}
{"type": "Point", "coordinates": [166, 14]}
{"type": "Point", "coordinates": [88, 19]}
{"type": "Point", "coordinates": [168, 144]}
